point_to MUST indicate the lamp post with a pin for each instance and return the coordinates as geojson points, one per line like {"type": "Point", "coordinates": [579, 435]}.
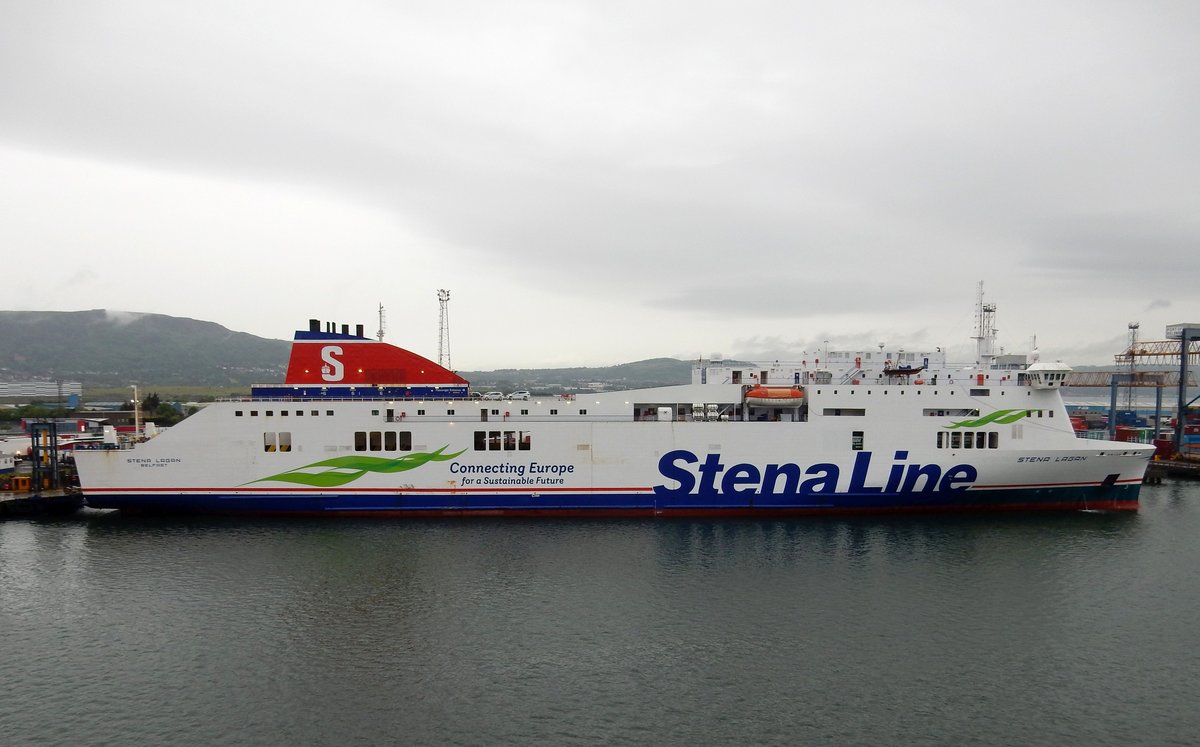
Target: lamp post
{"type": "Point", "coordinates": [137, 413]}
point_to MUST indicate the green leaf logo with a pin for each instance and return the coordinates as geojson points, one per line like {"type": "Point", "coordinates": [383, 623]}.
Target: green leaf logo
{"type": "Point", "coordinates": [332, 473]}
{"type": "Point", "coordinates": [1002, 417]}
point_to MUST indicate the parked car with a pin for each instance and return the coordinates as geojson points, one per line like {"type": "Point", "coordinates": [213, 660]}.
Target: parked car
{"type": "Point", "coordinates": [493, 395]}
{"type": "Point", "coordinates": [522, 394]}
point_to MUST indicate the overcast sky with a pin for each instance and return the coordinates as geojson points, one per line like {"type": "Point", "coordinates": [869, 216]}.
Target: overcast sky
{"type": "Point", "coordinates": [603, 182]}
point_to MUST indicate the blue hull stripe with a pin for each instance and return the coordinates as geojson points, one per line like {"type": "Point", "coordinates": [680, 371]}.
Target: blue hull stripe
{"type": "Point", "coordinates": [1123, 497]}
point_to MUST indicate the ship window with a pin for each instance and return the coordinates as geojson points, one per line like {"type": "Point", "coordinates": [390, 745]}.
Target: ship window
{"type": "Point", "coordinates": [1051, 413]}
{"type": "Point", "coordinates": [941, 439]}
{"type": "Point", "coordinates": [583, 412]}
{"type": "Point", "coordinates": [956, 440]}
{"type": "Point", "coordinates": [510, 440]}
{"type": "Point", "coordinates": [993, 440]}
{"type": "Point", "coordinates": [237, 413]}
{"type": "Point", "coordinates": [405, 440]}
{"type": "Point", "coordinates": [389, 441]}
{"type": "Point", "coordinates": [285, 441]}
{"type": "Point", "coordinates": [524, 442]}
{"type": "Point", "coordinates": [329, 413]}
{"type": "Point", "coordinates": [254, 413]}
{"type": "Point", "coordinates": [315, 413]}
{"type": "Point", "coordinates": [980, 392]}
{"type": "Point", "coordinates": [420, 412]}
{"type": "Point", "coordinates": [493, 440]}
{"type": "Point", "coordinates": [268, 442]}
{"type": "Point", "coordinates": [480, 440]}
{"type": "Point", "coordinates": [449, 412]}
{"type": "Point", "coordinates": [299, 413]}
{"type": "Point", "coordinates": [980, 440]}
{"type": "Point", "coordinates": [968, 442]}
{"type": "Point", "coordinates": [360, 440]}
{"type": "Point", "coordinates": [283, 413]}
{"type": "Point", "coordinates": [374, 413]}
{"type": "Point", "coordinates": [554, 412]}
{"type": "Point", "coordinates": [376, 441]}
{"type": "Point", "coordinates": [856, 440]}
{"type": "Point", "coordinates": [495, 412]}
{"type": "Point", "coordinates": [524, 412]}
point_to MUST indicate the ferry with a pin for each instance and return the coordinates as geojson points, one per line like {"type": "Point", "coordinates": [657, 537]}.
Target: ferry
{"type": "Point", "coordinates": [360, 427]}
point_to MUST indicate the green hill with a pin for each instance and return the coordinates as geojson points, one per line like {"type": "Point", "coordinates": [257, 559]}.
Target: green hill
{"type": "Point", "coordinates": [105, 348]}
{"type": "Point", "coordinates": [114, 349]}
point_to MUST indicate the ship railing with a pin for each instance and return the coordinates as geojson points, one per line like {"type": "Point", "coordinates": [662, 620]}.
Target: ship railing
{"type": "Point", "coordinates": [1102, 435]}
{"type": "Point", "coordinates": [348, 399]}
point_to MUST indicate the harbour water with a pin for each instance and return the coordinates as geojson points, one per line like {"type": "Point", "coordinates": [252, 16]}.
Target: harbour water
{"type": "Point", "coordinates": [1077, 629]}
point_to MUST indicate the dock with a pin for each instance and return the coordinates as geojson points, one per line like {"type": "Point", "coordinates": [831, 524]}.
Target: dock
{"type": "Point", "coordinates": [1185, 468]}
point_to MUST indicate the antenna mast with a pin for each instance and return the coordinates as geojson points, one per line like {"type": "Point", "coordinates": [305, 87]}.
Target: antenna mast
{"type": "Point", "coordinates": [382, 323]}
{"type": "Point", "coordinates": [1133, 343]}
{"type": "Point", "coordinates": [444, 329]}
{"type": "Point", "coordinates": [985, 330]}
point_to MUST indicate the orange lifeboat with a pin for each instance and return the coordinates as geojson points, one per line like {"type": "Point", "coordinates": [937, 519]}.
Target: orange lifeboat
{"type": "Point", "coordinates": [775, 396]}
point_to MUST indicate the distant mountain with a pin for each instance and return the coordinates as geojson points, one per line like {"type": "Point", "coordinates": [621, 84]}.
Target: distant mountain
{"type": "Point", "coordinates": [652, 372]}
{"type": "Point", "coordinates": [102, 348]}
{"type": "Point", "coordinates": [116, 348]}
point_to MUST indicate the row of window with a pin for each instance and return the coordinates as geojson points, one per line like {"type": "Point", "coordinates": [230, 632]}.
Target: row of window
{"type": "Point", "coordinates": [282, 413]}
{"type": "Point", "coordinates": [383, 440]}
{"type": "Point", "coordinates": [402, 441]}
{"type": "Point", "coordinates": [968, 440]}
{"type": "Point", "coordinates": [391, 416]}
{"type": "Point", "coordinates": [277, 441]}
{"type": "Point", "coordinates": [522, 440]}
{"type": "Point", "coordinates": [502, 440]}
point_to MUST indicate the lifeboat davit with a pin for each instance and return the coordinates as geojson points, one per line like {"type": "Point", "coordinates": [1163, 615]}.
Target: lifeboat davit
{"type": "Point", "coordinates": [775, 396]}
